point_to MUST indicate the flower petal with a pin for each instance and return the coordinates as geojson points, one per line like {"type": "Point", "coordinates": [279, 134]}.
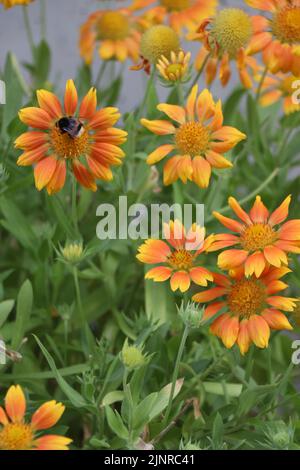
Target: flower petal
{"type": "Point", "coordinates": [243, 339]}
{"type": "Point", "coordinates": [255, 264]}
{"type": "Point", "coordinates": [232, 224]}
{"type": "Point", "coordinates": [209, 294]}
{"type": "Point", "coordinates": [52, 442]}
{"type": "Point", "coordinates": [47, 415]}
{"type": "Point", "coordinates": [259, 213]}
{"type": "Point", "coordinates": [158, 127]}
{"type": "Point", "coordinates": [159, 153]}
{"type": "Point", "coordinates": [89, 103]}
{"type": "Point", "coordinates": [50, 103]}
{"type": "Point", "coordinates": [177, 113]}
{"type": "Point", "coordinates": [232, 258]}
{"type": "Point", "coordinates": [44, 171]}
{"type": "Point", "coordinates": [84, 176]}
{"type": "Point", "coordinates": [159, 274]}
{"type": "Point", "coordinates": [276, 319]}
{"type": "Point", "coordinates": [275, 256]}
{"type": "Point", "coordinates": [239, 211]}
{"type": "Point", "coordinates": [180, 280]}
{"type": "Point", "coordinates": [259, 331]}
{"type": "Point", "coordinates": [201, 171]}
{"type": "Point", "coordinates": [153, 251]}
{"type": "Point", "coordinates": [15, 403]}
{"type": "Point", "coordinates": [229, 331]}
{"type": "Point", "coordinates": [200, 276]}
{"type": "Point", "coordinates": [35, 117]}
{"type": "Point", "coordinates": [191, 102]}
{"type": "Point", "coordinates": [58, 179]}
{"type": "Point", "coordinates": [71, 98]}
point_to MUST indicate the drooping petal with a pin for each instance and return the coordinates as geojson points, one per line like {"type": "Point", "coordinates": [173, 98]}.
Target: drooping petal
{"type": "Point", "coordinates": [99, 170]}
{"type": "Point", "coordinates": [229, 331]}
{"type": "Point", "coordinates": [275, 256]}
{"type": "Point", "coordinates": [71, 98]}
{"type": "Point", "coordinates": [159, 274]}
{"type": "Point", "coordinates": [15, 403]}
{"type": "Point", "coordinates": [179, 166]}
{"type": "Point", "coordinates": [200, 276]}
{"type": "Point", "coordinates": [47, 415]}
{"type": "Point", "coordinates": [243, 339]}
{"type": "Point", "coordinates": [201, 171]}
{"type": "Point", "coordinates": [84, 176]}
{"type": "Point", "coordinates": [44, 171]}
{"type": "Point", "coordinates": [180, 280]}
{"type": "Point", "coordinates": [217, 161]}
{"type": "Point", "coordinates": [255, 264]}
{"type": "Point", "coordinates": [58, 179]}
{"type": "Point", "coordinates": [259, 331]}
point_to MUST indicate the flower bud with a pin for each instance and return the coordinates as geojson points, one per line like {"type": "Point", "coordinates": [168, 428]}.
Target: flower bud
{"type": "Point", "coordinates": [132, 356]}
{"type": "Point", "coordinates": [191, 315]}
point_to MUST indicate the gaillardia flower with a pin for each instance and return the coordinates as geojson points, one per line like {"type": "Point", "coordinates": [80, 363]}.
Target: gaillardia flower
{"type": "Point", "coordinates": [262, 238]}
{"type": "Point", "coordinates": [178, 258]}
{"type": "Point", "coordinates": [198, 140]}
{"type": "Point", "coordinates": [65, 135]}
{"type": "Point", "coordinates": [277, 35]}
{"type": "Point", "coordinates": [225, 39]}
{"type": "Point", "coordinates": [279, 87]}
{"type": "Point", "coordinates": [17, 434]}
{"type": "Point", "coordinates": [251, 308]}
{"type": "Point", "coordinates": [116, 34]}
{"type": "Point", "coordinates": [181, 15]}
{"type": "Point", "coordinates": [175, 69]}
{"type": "Point", "coordinates": [12, 3]}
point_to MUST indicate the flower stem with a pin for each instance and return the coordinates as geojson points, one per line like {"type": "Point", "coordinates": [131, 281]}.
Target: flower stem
{"type": "Point", "coordinates": [78, 295]}
{"type": "Point", "coordinates": [199, 73]}
{"type": "Point", "coordinates": [74, 206]}
{"type": "Point", "coordinates": [100, 74]}
{"type": "Point", "coordinates": [176, 371]}
{"type": "Point", "coordinates": [261, 82]}
{"type": "Point", "coordinates": [28, 29]}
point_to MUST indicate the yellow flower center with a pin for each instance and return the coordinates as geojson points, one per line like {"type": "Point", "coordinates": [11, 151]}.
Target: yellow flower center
{"type": "Point", "coordinates": [257, 237]}
{"type": "Point", "coordinates": [157, 41]}
{"type": "Point", "coordinates": [174, 69]}
{"type": "Point", "coordinates": [232, 30]}
{"type": "Point", "coordinates": [286, 25]}
{"type": "Point", "coordinates": [247, 297]}
{"type": "Point", "coordinates": [181, 259]}
{"type": "Point", "coordinates": [192, 138]}
{"type": "Point", "coordinates": [175, 5]}
{"type": "Point", "coordinates": [16, 436]}
{"type": "Point", "coordinates": [65, 146]}
{"type": "Point", "coordinates": [113, 25]}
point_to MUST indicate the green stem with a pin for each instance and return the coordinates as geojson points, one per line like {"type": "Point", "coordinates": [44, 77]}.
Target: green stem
{"type": "Point", "coordinates": [100, 74]}
{"type": "Point", "coordinates": [78, 296]}
{"type": "Point", "coordinates": [43, 19]}
{"type": "Point", "coordinates": [250, 196]}
{"type": "Point", "coordinates": [146, 95]}
{"type": "Point", "coordinates": [127, 392]}
{"type": "Point", "coordinates": [199, 73]}
{"type": "Point", "coordinates": [28, 29]}
{"type": "Point", "coordinates": [74, 206]}
{"type": "Point", "coordinates": [261, 82]}
{"type": "Point", "coordinates": [176, 371]}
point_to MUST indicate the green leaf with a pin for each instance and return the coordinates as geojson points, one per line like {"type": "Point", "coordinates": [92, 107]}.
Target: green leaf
{"type": "Point", "coordinates": [75, 398]}
{"type": "Point", "coordinates": [112, 397]}
{"type": "Point", "coordinates": [5, 308]}
{"type": "Point", "coordinates": [24, 308]}
{"type": "Point", "coordinates": [16, 223]}
{"type": "Point", "coordinates": [163, 398]}
{"type": "Point", "coordinates": [218, 431]}
{"type": "Point", "coordinates": [116, 424]}
{"type": "Point", "coordinates": [60, 215]}
{"type": "Point", "coordinates": [142, 412]}
{"type": "Point", "coordinates": [232, 390]}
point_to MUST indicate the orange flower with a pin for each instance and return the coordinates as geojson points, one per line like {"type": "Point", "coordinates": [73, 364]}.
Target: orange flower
{"type": "Point", "coordinates": [13, 3]}
{"type": "Point", "coordinates": [279, 87]}
{"type": "Point", "coordinates": [277, 35]}
{"type": "Point", "coordinates": [262, 238]}
{"type": "Point", "coordinates": [16, 434]}
{"type": "Point", "coordinates": [65, 135]}
{"type": "Point", "coordinates": [116, 33]}
{"type": "Point", "coordinates": [226, 41]}
{"type": "Point", "coordinates": [198, 141]}
{"type": "Point", "coordinates": [180, 14]}
{"type": "Point", "coordinates": [178, 258]}
{"type": "Point", "coordinates": [175, 69]}
{"type": "Point", "coordinates": [251, 308]}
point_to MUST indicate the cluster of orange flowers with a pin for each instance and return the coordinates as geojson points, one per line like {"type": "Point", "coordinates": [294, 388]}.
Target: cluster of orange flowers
{"type": "Point", "coordinates": [243, 304]}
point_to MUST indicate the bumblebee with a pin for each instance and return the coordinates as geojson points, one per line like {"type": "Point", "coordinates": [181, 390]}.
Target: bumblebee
{"type": "Point", "coordinates": [71, 126]}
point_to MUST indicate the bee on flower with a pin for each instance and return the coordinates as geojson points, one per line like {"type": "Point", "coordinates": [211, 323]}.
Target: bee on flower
{"type": "Point", "coordinates": [225, 39]}
{"type": "Point", "coordinates": [276, 35]}
{"type": "Point", "coordinates": [18, 434]}
{"type": "Point", "coordinates": [62, 136]}
{"type": "Point", "coordinates": [174, 69]}
{"type": "Point", "coordinates": [198, 139]}
{"type": "Point", "coordinates": [177, 257]}
{"type": "Point", "coordinates": [280, 87]}
{"type": "Point", "coordinates": [262, 237]}
{"type": "Point", "coordinates": [251, 308]}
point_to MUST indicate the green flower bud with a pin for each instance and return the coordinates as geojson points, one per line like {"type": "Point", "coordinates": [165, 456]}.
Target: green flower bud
{"type": "Point", "coordinates": [132, 356]}
{"type": "Point", "coordinates": [191, 315]}
{"type": "Point", "coordinates": [73, 252]}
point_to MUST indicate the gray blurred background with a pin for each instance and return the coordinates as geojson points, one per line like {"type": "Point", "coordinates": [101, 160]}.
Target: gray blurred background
{"type": "Point", "coordinates": [64, 18]}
